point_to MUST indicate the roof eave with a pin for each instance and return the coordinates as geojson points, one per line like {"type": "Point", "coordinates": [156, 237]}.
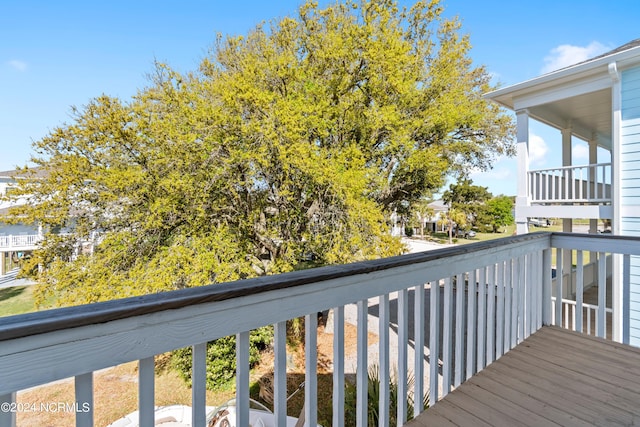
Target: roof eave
{"type": "Point", "coordinates": [506, 95]}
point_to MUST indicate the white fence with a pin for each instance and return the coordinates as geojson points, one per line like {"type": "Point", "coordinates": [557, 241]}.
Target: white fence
{"type": "Point", "coordinates": [459, 307]}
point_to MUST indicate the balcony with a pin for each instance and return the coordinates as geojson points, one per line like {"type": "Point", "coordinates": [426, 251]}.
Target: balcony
{"type": "Point", "coordinates": [469, 311]}
{"type": "Point", "coordinates": [568, 192]}
{"type": "Point", "coordinates": [571, 185]}
{"type": "Point", "coordinates": [23, 242]}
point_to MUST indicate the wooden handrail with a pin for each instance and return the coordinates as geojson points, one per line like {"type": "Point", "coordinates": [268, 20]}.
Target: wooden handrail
{"type": "Point", "coordinates": [71, 317]}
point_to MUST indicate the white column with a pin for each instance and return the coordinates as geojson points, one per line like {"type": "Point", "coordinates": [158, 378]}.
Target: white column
{"type": "Point", "coordinates": [593, 160]}
{"type": "Point", "coordinates": [522, 147]}
{"type": "Point", "coordinates": [567, 223]}
{"type": "Point", "coordinates": [616, 199]}
{"type": "Point", "coordinates": [593, 222]}
{"type": "Point", "coordinates": [566, 161]}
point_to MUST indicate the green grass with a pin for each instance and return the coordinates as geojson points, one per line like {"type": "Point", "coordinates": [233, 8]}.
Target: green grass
{"type": "Point", "coordinates": [504, 232]}
{"type": "Point", "coordinates": [16, 300]}
{"type": "Point", "coordinates": [480, 237]}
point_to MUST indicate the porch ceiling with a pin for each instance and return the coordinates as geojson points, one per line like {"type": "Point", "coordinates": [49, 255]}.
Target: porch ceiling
{"type": "Point", "coordinates": [578, 96]}
{"type": "Point", "coordinates": [588, 115]}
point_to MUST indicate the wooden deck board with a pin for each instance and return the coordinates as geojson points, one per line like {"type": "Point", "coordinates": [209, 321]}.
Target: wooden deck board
{"type": "Point", "coordinates": [622, 375]}
{"type": "Point", "coordinates": [620, 394]}
{"type": "Point", "coordinates": [578, 395]}
{"type": "Point", "coordinates": [523, 400]}
{"type": "Point", "coordinates": [555, 377]}
{"type": "Point", "coordinates": [546, 391]}
{"type": "Point", "coordinates": [572, 342]}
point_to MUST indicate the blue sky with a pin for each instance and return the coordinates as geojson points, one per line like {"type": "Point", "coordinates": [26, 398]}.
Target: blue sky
{"type": "Point", "coordinates": [57, 54]}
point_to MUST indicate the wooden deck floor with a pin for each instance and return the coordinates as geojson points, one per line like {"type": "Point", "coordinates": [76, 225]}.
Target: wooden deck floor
{"type": "Point", "coordinates": [555, 377]}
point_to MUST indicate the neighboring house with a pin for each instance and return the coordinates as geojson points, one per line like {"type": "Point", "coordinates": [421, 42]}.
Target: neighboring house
{"type": "Point", "coordinates": [15, 240]}
{"type": "Point", "coordinates": [597, 101]}
{"type": "Point", "coordinates": [430, 223]}
{"type": "Point", "coordinates": [433, 224]}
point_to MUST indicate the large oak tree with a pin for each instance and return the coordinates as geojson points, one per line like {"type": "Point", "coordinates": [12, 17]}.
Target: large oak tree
{"type": "Point", "coordinates": [292, 142]}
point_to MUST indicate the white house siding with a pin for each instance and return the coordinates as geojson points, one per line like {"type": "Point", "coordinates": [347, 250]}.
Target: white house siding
{"type": "Point", "coordinates": [630, 188]}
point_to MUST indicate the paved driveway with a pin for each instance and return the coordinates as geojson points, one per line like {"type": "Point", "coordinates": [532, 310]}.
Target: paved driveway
{"type": "Point", "coordinates": [373, 323]}
{"type": "Point", "coordinates": [9, 280]}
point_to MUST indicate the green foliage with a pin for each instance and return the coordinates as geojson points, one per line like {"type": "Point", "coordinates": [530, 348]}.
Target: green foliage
{"type": "Point", "coordinates": [297, 139]}
{"type": "Point", "coordinates": [464, 192]}
{"type": "Point", "coordinates": [468, 198]}
{"type": "Point", "coordinates": [454, 218]}
{"type": "Point", "coordinates": [482, 210]}
{"type": "Point", "coordinates": [373, 391]}
{"type": "Point", "coordinates": [295, 331]}
{"type": "Point", "coordinates": [293, 140]}
{"type": "Point", "coordinates": [498, 212]}
{"type": "Point", "coordinates": [221, 358]}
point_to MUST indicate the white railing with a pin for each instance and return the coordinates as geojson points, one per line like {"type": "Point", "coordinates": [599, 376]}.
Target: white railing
{"type": "Point", "coordinates": [571, 184]}
{"type": "Point", "coordinates": [460, 308]}
{"type": "Point", "coordinates": [20, 241]}
{"type": "Point", "coordinates": [589, 317]}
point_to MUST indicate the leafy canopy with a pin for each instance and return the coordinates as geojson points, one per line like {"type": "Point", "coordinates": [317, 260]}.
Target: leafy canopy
{"type": "Point", "coordinates": [293, 142]}
{"type": "Point", "coordinates": [498, 212]}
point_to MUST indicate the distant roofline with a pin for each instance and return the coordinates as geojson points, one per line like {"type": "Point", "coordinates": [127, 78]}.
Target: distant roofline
{"type": "Point", "coordinates": [37, 172]}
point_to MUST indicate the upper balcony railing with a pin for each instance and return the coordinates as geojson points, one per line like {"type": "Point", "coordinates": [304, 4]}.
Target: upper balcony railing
{"type": "Point", "coordinates": [20, 242]}
{"type": "Point", "coordinates": [458, 309]}
{"type": "Point", "coordinates": [571, 184]}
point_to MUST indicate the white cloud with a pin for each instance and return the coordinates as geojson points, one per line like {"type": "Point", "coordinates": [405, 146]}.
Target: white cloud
{"type": "Point", "coordinates": [538, 150]}
{"type": "Point", "coordinates": [18, 65]}
{"type": "Point", "coordinates": [580, 152]}
{"type": "Point", "coordinates": [566, 54]}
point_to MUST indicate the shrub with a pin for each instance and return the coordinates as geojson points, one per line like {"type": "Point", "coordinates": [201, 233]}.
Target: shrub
{"type": "Point", "coordinates": [221, 358]}
{"type": "Point", "coordinates": [373, 399]}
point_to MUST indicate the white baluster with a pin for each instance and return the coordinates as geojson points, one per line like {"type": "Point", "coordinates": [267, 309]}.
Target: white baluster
{"type": "Point", "coordinates": [491, 302]}
{"type": "Point", "coordinates": [447, 330]}
{"type": "Point", "coordinates": [362, 365]}
{"type": "Point", "coordinates": [460, 312]}
{"type": "Point", "coordinates": [385, 368]}
{"type": "Point", "coordinates": [146, 391]}
{"type": "Point", "coordinates": [403, 345]}
{"type": "Point", "coordinates": [418, 328]}
{"type": "Point", "coordinates": [338, 366]}
{"type": "Point", "coordinates": [500, 310]}
{"type": "Point", "coordinates": [434, 340]}
{"type": "Point", "coordinates": [84, 400]}
{"type": "Point", "coordinates": [481, 338]}
{"type": "Point", "coordinates": [8, 416]}
{"type": "Point", "coordinates": [199, 384]}
{"type": "Point", "coordinates": [280, 373]}
{"type": "Point", "coordinates": [602, 301]}
{"type": "Point", "coordinates": [579, 290]}
{"type": "Point", "coordinates": [242, 379]}
{"type": "Point", "coordinates": [311, 369]}
{"type": "Point", "coordinates": [471, 323]}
